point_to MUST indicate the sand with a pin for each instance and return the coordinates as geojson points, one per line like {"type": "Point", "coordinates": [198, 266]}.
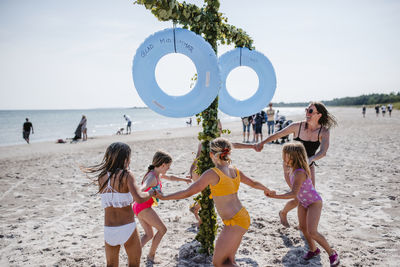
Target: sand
{"type": "Point", "coordinates": [50, 215]}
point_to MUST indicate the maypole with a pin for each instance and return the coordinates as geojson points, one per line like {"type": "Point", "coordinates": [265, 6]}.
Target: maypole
{"type": "Point", "coordinates": [212, 26]}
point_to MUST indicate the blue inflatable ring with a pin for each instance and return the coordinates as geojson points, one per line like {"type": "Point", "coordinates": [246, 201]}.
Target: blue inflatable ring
{"type": "Point", "coordinates": [176, 41]}
{"type": "Point", "coordinates": [266, 77]}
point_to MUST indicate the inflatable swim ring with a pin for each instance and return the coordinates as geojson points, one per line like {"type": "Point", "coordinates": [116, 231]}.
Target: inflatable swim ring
{"type": "Point", "coordinates": [266, 86]}
{"type": "Point", "coordinates": [182, 41]}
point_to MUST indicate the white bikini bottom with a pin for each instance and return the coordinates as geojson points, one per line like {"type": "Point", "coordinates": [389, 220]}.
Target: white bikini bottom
{"type": "Point", "coordinates": [118, 235]}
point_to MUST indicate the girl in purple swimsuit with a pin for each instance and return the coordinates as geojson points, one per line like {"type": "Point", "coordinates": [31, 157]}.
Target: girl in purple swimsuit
{"type": "Point", "coordinates": [310, 202]}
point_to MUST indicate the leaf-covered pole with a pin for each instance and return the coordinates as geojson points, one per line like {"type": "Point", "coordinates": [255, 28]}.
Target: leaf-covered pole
{"type": "Point", "coordinates": [212, 26]}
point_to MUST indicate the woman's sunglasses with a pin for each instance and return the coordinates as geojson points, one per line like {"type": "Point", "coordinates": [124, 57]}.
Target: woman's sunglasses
{"type": "Point", "coordinates": [310, 110]}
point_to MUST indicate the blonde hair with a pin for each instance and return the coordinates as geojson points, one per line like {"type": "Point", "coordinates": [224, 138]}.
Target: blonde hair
{"type": "Point", "coordinates": [159, 158]}
{"type": "Point", "coordinates": [221, 148]}
{"type": "Point", "coordinates": [297, 156]}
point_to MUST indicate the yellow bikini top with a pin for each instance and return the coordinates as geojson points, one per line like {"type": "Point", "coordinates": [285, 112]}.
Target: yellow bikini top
{"type": "Point", "coordinates": [226, 184]}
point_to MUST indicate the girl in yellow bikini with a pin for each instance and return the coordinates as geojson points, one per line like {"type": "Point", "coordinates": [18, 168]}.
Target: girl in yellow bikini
{"type": "Point", "coordinates": [224, 181]}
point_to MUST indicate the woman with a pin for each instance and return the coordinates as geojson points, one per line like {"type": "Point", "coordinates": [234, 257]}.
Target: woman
{"type": "Point", "coordinates": [83, 123]}
{"type": "Point", "coordinates": [118, 189]}
{"type": "Point", "coordinates": [224, 181]}
{"type": "Point", "coordinates": [313, 133]}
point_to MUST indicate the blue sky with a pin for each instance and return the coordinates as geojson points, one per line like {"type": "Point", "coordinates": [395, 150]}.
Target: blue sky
{"type": "Point", "coordinates": [78, 54]}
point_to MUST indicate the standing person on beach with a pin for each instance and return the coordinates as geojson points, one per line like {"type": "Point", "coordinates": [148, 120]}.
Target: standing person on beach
{"type": "Point", "coordinates": [26, 129]}
{"type": "Point", "coordinates": [383, 107]}
{"type": "Point", "coordinates": [277, 116]}
{"type": "Point", "coordinates": [147, 216]}
{"type": "Point", "coordinates": [83, 123]}
{"type": "Point", "coordinates": [390, 108]}
{"type": "Point", "coordinates": [118, 189]}
{"type": "Point", "coordinates": [224, 181]}
{"type": "Point", "coordinates": [246, 128]}
{"type": "Point", "coordinates": [253, 125]}
{"type": "Point", "coordinates": [364, 109]}
{"type": "Point", "coordinates": [259, 123]}
{"type": "Point", "coordinates": [270, 119]}
{"type": "Point", "coordinates": [128, 124]}
{"type": "Point", "coordinates": [313, 133]}
{"type": "Point", "coordinates": [310, 202]}
{"type": "Point", "coordinates": [377, 109]}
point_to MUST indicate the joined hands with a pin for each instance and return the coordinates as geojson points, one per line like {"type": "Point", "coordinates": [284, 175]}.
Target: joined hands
{"type": "Point", "coordinates": [258, 147]}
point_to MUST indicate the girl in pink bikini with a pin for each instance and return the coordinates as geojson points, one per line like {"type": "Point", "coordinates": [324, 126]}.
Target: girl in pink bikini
{"type": "Point", "coordinates": [310, 202]}
{"type": "Point", "coordinates": [147, 216]}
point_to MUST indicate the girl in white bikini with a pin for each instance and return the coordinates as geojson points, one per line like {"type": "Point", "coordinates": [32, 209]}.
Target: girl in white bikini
{"type": "Point", "coordinates": [118, 189]}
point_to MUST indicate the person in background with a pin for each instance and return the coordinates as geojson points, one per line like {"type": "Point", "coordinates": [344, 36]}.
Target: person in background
{"type": "Point", "coordinates": [189, 122]}
{"type": "Point", "coordinates": [270, 119]}
{"type": "Point", "coordinates": [246, 128]}
{"type": "Point", "coordinates": [383, 110]}
{"type": "Point", "coordinates": [364, 109]}
{"type": "Point", "coordinates": [276, 116]}
{"type": "Point", "coordinates": [259, 122]}
{"type": "Point", "coordinates": [83, 128]}
{"type": "Point", "coordinates": [253, 125]}
{"type": "Point", "coordinates": [390, 108]}
{"type": "Point", "coordinates": [26, 130]}
{"type": "Point", "coordinates": [377, 109]}
{"type": "Point", "coordinates": [128, 124]}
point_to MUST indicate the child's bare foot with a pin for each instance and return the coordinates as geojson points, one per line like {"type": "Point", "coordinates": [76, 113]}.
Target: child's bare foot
{"type": "Point", "coordinates": [283, 218]}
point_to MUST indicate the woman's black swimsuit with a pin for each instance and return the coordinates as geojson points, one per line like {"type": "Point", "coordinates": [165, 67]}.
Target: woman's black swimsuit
{"type": "Point", "coordinates": [310, 146]}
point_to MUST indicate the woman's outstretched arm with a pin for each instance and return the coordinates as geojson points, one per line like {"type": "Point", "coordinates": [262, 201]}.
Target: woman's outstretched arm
{"type": "Point", "coordinates": [285, 131]}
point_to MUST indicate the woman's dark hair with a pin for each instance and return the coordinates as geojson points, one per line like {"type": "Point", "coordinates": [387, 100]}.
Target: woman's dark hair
{"type": "Point", "coordinates": [327, 120]}
{"type": "Point", "coordinates": [113, 162]}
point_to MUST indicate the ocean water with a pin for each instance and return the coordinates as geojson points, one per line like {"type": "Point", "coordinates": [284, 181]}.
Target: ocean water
{"type": "Point", "coordinates": [50, 125]}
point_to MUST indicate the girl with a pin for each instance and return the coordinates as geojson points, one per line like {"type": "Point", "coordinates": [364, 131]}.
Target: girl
{"type": "Point", "coordinates": [118, 189]}
{"type": "Point", "coordinates": [313, 133]}
{"type": "Point", "coordinates": [224, 182]}
{"type": "Point", "coordinates": [310, 202]}
{"type": "Point", "coordinates": [147, 216]}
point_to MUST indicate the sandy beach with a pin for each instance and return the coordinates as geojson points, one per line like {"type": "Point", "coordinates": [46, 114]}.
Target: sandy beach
{"type": "Point", "coordinates": [51, 216]}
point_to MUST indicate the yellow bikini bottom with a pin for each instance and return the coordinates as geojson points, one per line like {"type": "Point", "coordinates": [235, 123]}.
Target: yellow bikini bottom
{"type": "Point", "coordinates": [242, 219]}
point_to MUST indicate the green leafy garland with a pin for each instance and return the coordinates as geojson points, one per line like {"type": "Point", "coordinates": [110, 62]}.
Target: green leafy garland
{"type": "Point", "coordinates": [212, 26]}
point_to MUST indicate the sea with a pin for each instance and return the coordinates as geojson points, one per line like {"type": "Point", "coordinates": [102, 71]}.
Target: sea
{"type": "Point", "coordinates": [51, 125]}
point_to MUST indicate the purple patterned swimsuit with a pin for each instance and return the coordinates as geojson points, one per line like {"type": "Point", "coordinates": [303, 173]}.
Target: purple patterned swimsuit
{"type": "Point", "coordinates": [307, 194]}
